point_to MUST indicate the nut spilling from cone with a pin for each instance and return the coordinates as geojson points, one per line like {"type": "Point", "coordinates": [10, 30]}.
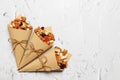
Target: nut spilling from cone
{"type": "Point", "coordinates": [61, 56]}
{"type": "Point", "coordinates": [44, 35]}
{"type": "Point", "coordinates": [20, 23]}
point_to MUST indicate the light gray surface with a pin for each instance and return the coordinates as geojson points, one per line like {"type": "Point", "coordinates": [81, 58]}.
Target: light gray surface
{"type": "Point", "coordinates": [89, 29]}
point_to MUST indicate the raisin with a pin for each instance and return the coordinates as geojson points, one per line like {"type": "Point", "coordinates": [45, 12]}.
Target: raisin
{"type": "Point", "coordinates": [21, 23]}
{"type": "Point", "coordinates": [43, 34]}
{"type": "Point", "coordinates": [62, 66]}
{"type": "Point", "coordinates": [42, 28]}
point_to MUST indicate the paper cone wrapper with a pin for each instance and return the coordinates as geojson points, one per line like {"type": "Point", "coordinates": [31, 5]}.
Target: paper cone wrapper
{"type": "Point", "coordinates": [35, 43]}
{"type": "Point", "coordinates": [45, 62]}
{"type": "Point", "coordinates": [17, 35]}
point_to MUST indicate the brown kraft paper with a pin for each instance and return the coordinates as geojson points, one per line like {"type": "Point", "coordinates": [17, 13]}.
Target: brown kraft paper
{"type": "Point", "coordinates": [19, 39]}
{"type": "Point", "coordinates": [45, 62]}
{"type": "Point", "coordinates": [35, 45]}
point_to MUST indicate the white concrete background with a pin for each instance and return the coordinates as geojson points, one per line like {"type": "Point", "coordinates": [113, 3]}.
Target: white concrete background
{"type": "Point", "coordinates": [89, 29]}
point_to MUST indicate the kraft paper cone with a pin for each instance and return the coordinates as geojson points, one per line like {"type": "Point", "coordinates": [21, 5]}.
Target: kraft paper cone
{"type": "Point", "coordinates": [19, 39]}
{"type": "Point", "coordinates": [35, 45]}
{"type": "Point", "coordinates": [45, 62]}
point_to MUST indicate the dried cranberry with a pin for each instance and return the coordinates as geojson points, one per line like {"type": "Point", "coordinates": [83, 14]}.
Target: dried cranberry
{"type": "Point", "coordinates": [47, 38]}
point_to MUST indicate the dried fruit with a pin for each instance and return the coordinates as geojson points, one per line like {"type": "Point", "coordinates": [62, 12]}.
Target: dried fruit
{"type": "Point", "coordinates": [61, 57]}
{"type": "Point", "coordinates": [42, 28]}
{"type": "Point", "coordinates": [63, 65]}
{"type": "Point", "coordinates": [20, 23]}
{"type": "Point", "coordinates": [47, 38]}
{"type": "Point", "coordinates": [44, 35]}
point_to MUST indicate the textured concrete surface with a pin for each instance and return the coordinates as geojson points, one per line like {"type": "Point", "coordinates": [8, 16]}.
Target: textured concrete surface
{"type": "Point", "coordinates": [89, 29]}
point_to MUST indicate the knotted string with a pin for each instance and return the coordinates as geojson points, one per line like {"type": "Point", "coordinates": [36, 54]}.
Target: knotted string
{"type": "Point", "coordinates": [15, 43]}
{"type": "Point", "coordinates": [43, 61]}
{"type": "Point", "coordinates": [32, 49]}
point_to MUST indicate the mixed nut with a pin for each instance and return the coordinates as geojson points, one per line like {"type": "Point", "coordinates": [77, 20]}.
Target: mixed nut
{"type": "Point", "coordinates": [61, 56]}
{"type": "Point", "coordinates": [20, 23]}
{"type": "Point", "coordinates": [44, 35]}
